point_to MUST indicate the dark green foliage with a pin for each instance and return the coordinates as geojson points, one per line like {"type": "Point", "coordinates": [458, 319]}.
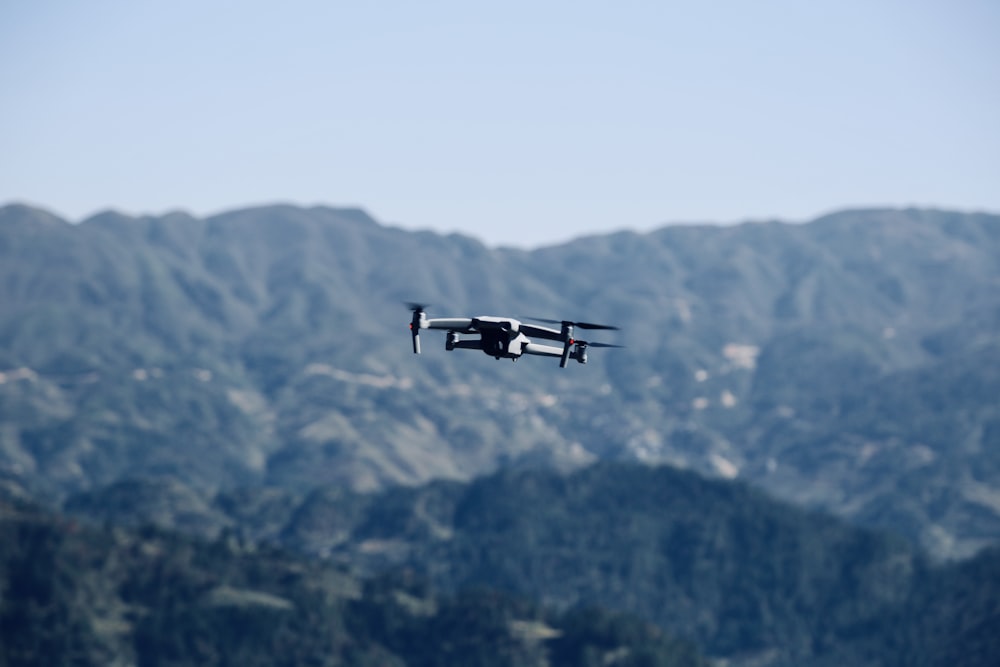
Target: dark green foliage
{"type": "Point", "coordinates": [956, 616]}
{"type": "Point", "coordinates": [38, 625]}
{"type": "Point", "coordinates": [743, 577]}
{"type": "Point", "coordinates": [740, 575]}
{"type": "Point", "coordinates": [75, 595]}
{"type": "Point", "coordinates": [453, 630]}
{"type": "Point", "coordinates": [713, 562]}
{"type": "Point", "coordinates": [593, 637]}
{"type": "Point", "coordinates": [72, 595]}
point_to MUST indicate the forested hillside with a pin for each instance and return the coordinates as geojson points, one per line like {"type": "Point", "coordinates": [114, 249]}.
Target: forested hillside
{"type": "Point", "coordinates": [259, 471]}
{"type": "Point", "coordinates": [848, 364]}
{"type": "Point", "coordinates": [75, 595]}
{"type": "Point", "coordinates": [741, 576]}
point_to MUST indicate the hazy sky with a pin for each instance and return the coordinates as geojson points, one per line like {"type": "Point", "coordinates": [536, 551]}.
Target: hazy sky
{"type": "Point", "coordinates": [521, 123]}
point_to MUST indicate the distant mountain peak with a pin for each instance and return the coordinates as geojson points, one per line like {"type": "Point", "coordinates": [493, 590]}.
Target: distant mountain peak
{"type": "Point", "coordinates": [19, 213]}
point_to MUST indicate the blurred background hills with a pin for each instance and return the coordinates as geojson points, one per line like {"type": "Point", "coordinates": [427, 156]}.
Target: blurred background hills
{"type": "Point", "coordinates": [849, 364]}
{"type": "Point", "coordinates": [247, 378]}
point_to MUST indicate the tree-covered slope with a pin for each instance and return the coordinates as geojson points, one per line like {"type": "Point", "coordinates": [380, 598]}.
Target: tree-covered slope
{"type": "Point", "coordinates": [268, 346]}
{"type": "Point", "coordinates": [76, 595]}
{"type": "Point", "coordinates": [748, 579]}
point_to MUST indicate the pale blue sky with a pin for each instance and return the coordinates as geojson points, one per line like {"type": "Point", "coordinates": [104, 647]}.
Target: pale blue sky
{"type": "Point", "coordinates": [521, 123]}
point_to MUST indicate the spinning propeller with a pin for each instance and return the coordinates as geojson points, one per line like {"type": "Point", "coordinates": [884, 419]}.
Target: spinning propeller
{"type": "Point", "coordinates": [570, 323]}
{"type": "Point", "coordinates": [580, 353]}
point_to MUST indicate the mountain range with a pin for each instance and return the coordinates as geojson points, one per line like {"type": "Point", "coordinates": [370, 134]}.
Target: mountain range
{"type": "Point", "coordinates": [849, 364]}
{"type": "Point", "coordinates": [228, 428]}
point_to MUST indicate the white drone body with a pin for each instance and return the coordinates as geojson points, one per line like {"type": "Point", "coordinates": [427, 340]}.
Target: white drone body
{"type": "Point", "coordinates": [506, 337]}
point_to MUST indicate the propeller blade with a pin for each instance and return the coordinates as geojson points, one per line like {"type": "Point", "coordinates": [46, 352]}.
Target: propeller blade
{"type": "Point", "coordinates": [588, 325]}
{"type": "Point", "coordinates": [603, 345]}
{"type": "Point", "coordinates": [416, 307]}
{"type": "Point", "coordinates": [582, 325]}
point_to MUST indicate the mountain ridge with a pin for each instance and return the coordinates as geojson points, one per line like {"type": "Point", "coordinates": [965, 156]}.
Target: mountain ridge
{"type": "Point", "coordinates": [268, 346]}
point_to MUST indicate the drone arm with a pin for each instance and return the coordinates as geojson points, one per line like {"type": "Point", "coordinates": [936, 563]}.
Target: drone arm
{"type": "Point", "coordinates": [542, 350]}
{"type": "Point", "coordinates": [564, 353]}
{"type": "Point", "coordinates": [449, 323]}
{"type": "Point", "coordinates": [414, 333]}
{"type": "Point", "coordinates": [419, 320]}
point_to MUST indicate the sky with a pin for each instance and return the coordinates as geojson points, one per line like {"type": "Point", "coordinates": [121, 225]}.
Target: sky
{"type": "Point", "coordinates": [519, 123]}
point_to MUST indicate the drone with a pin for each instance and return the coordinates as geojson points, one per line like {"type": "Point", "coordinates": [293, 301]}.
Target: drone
{"type": "Point", "coordinates": [506, 337]}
